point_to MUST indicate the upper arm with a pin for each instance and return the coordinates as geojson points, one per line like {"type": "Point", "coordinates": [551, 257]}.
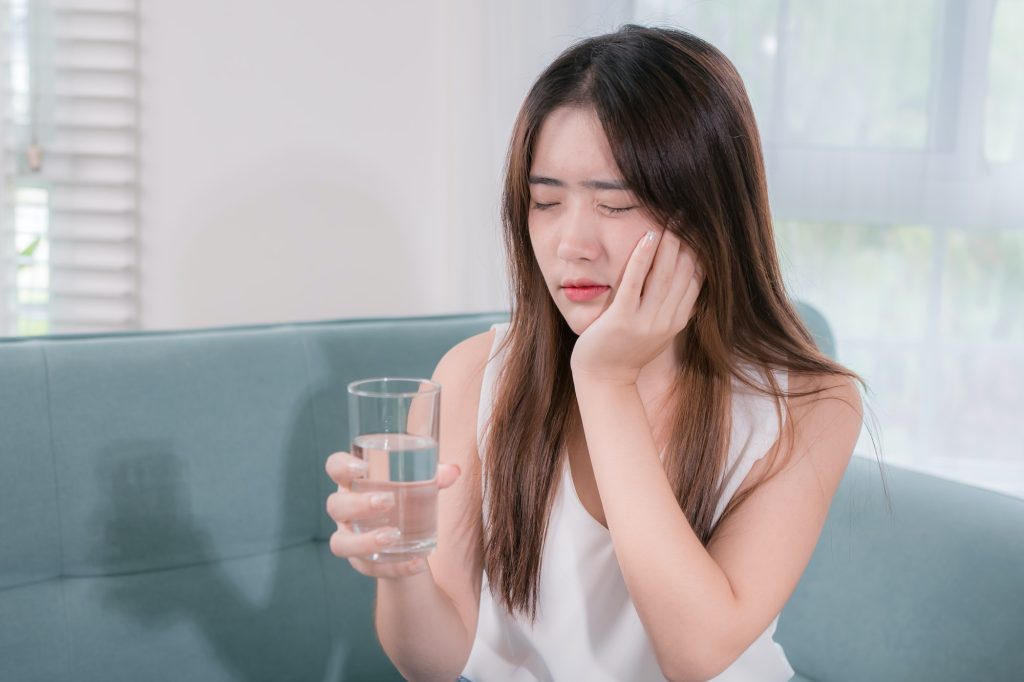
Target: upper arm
{"type": "Point", "coordinates": [456, 564]}
{"type": "Point", "coordinates": [765, 544]}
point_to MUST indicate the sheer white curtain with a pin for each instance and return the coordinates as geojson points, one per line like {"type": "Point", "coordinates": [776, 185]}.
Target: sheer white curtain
{"type": "Point", "coordinates": [894, 138]}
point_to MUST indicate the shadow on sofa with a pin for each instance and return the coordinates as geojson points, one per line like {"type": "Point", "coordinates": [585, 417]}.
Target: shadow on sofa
{"type": "Point", "coordinates": [247, 610]}
{"type": "Point", "coordinates": [197, 594]}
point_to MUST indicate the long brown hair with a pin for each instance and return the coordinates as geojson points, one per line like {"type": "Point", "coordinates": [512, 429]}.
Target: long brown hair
{"type": "Point", "coordinates": [683, 134]}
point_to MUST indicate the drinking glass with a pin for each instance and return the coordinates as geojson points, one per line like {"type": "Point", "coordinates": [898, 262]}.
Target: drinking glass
{"type": "Point", "coordinates": [393, 424]}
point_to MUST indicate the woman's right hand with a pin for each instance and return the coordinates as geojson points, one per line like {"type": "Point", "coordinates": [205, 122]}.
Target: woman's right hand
{"type": "Point", "coordinates": [346, 506]}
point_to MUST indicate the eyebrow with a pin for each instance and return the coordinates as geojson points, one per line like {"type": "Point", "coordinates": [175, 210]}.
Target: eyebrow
{"type": "Point", "coordinates": [589, 184]}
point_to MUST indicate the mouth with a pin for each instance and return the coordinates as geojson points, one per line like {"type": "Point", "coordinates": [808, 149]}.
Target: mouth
{"type": "Point", "coordinates": [579, 294]}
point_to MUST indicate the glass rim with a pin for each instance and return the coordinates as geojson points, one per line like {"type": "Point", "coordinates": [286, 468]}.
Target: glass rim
{"type": "Point", "coordinates": [354, 387]}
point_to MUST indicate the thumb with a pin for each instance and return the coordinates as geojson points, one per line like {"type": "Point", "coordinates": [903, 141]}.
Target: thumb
{"type": "Point", "coordinates": [447, 474]}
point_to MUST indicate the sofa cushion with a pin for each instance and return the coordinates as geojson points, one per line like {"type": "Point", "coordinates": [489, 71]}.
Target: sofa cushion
{"type": "Point", "coordinates": [926, 583]}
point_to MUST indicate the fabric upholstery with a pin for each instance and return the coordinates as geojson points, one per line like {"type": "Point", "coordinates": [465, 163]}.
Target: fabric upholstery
{"type": "Point", "coordinates": [924, 581]}
{"type": "Point", "coordinates": [162, 518]}
{"type": "Point", "coordinates": [162, 501]}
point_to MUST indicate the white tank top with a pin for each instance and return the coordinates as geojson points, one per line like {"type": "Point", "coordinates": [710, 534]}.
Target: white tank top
{"type": "Point", "coordinates": [587, 627]}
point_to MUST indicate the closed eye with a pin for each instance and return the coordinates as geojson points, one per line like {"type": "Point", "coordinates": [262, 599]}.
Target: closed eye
{"type": "Point", "coordinates": [615, 210]}
{"type": "Point", "coordinates": [540, 207]}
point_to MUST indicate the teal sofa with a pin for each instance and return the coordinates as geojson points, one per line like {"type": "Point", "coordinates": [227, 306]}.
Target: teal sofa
{"type": "Point", "coordinates": [162, 518]}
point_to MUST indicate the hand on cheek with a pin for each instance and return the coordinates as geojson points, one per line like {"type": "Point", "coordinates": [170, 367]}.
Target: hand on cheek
{"type": "Point", "coordinates": [652, 304]}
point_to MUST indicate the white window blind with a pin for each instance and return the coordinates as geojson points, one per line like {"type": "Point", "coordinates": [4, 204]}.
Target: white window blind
{"type": "Point", "coordinates": [70, 184]}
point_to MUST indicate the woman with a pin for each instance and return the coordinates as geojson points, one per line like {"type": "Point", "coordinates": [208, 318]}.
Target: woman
{"type": "Point", "coordinates": [638, 466]}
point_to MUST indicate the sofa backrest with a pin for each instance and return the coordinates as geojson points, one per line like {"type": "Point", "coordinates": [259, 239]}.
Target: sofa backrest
{"type": "Point", "coordinates": [162, 501]}
{"type": "Point", "coordinates": [162, 518]}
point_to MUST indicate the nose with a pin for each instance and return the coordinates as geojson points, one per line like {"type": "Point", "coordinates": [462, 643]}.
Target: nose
{"type": "Point", "coordinates": [578, 237]}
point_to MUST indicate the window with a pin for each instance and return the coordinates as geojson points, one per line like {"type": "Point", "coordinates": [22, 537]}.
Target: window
{"type": "Point", "coordinates": [70, 193]}
{"type": "Point", "coordinates": [894, 140]}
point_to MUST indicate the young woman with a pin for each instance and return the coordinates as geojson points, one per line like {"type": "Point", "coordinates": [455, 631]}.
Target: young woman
{"type": "Point", "coordinates": [637, 467]}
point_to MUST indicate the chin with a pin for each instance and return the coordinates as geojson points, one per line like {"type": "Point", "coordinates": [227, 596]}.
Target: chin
{"type": "Point", "coordinates": [578, 320]}
{"type": "Point", "coordinates": [577, 316]}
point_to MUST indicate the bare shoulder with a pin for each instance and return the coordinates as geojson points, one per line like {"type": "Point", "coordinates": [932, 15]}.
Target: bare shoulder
{"type": "Point", "coordinates": [829, 397]}
{"type": "Point", "coordinates": [822, 422]}
{"type": "Point", "coordinates": [826, 413]}
{"type": "Point", "coordinates": [824, 387]}
{"type": "Point", "coordinates": [460, 373]}
{"type": "Point", "coordinates": [465, 361]}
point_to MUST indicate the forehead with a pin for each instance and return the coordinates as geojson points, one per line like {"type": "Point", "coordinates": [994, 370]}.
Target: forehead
{"type": "Point", "coordinates": [572, 146]}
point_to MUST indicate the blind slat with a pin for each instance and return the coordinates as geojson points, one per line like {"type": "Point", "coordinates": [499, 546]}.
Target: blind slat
{"type": "Point", "coordinates": [86, 184]}
{"type": "Point", "coordinates": [75, 96]}
{"type": "Point", "coordinates": [100, 12]}
{"type": "Point", "coordinates": [75, 239]}
{"type": "Point", "coordinates": [81, 295]}
{"type": "Point", "coordinates": [111, 212]}
{"type": "Point", "coordinates": [95, 269]}
{"type": "Point", "coordinates": [93, 127]}
{"type": "Point", "coordinates": [60, 153]}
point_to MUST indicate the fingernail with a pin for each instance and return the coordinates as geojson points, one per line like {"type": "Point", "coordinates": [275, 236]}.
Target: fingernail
{"type": "Point", "coordinates": [388, 536]}
{"type": "Point", "coordinates": [358, 467]}
{"type": "Point", "coordinates": [649, 237]}
{"type": "Point", "coordinates": [381, 500]}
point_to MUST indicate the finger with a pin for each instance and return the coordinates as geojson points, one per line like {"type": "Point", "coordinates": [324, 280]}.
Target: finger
{"type": "Point", "coordinates": [343, 467]}
{"type": "Point", "coordinates": [389, 569]}
{"type": "Point", "coordinates": [447, 474]}
{"type": "Point", "coordinates": [637, 267]}
{"type": "Point", "coordinates": [684, 271]}
{"type": "Point", "coordinates": [662, 273]}
{"type": "Point", "coordinates": [344, 543]}
{"type": "Point", "coordinates": [344, 506]}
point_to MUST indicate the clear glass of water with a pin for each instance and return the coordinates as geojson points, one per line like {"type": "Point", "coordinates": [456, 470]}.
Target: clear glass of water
{"type": "Point", "coordinates": [393, 424]}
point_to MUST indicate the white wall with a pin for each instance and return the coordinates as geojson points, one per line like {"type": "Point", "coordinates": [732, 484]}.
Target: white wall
{"type": "Point", "coordinates": [315, 159]}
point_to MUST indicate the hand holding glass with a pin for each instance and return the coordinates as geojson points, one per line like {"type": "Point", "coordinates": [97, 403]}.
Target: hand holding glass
{"type": "Point", "coordinates": [393, 424]}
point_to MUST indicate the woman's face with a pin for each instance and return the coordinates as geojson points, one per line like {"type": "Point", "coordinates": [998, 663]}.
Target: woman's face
{"type": "Point", "coordinates": [584, 222]}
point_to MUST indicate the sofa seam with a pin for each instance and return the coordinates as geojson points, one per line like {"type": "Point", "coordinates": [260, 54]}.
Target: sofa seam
{"type": "Point", "coordinates": [310, 397]}
{"type": "Point", "coordinates": [56, 500]}
{"type": "Point", "coordinates": [310, 393]}
{"type": "Point", "coordinates": [185, 565]}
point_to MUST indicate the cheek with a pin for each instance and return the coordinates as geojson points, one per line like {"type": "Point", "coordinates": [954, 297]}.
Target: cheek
{"type": "Point", "coordinates": [626, 242]}
{"type": "Point", "coordinates": [543, 250]}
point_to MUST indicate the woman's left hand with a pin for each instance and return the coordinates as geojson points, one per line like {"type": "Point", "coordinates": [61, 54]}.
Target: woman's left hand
{"type": "Point", "coordinates": [653, 304]}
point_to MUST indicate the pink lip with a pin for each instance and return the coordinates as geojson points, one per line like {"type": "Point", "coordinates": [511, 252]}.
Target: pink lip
{"type": "Point", "coordinates": [580, 294]}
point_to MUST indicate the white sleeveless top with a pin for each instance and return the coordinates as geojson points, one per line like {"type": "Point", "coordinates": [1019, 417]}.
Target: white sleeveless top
{"type": "Point", "coordinates": [587, 627]}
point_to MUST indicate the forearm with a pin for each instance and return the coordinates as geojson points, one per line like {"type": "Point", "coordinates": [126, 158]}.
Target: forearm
{"type": "Point", "coordinates": [420, 629]}
{"type": "Point", "coordinates": [681, 594]}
